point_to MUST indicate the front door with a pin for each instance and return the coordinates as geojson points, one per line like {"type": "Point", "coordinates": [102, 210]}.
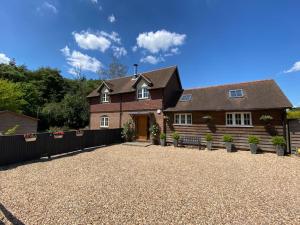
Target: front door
{"type": "Point", "coordinates": [142, 128]}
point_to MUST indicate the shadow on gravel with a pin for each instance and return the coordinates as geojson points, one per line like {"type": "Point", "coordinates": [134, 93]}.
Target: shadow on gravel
{"type": "Point", "coordinates": [45, 159]}
{"type": "Point", "coordinates": [9, 216]}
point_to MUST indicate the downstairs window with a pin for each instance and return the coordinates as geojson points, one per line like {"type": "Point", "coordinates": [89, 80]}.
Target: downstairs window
{"type": "Point", "coordinates": [239, 119]}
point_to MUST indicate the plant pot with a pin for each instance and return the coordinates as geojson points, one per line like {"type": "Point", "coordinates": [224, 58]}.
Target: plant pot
{"type": "Point", "coordinates": [253, 148]}
{"type": "Point", "coordinates": [228, 146]}
{"type": "Point", "coordinates": [175, 142]}
{"type": "Point", "coordinates": [209, 145]}
{"type": "Point", "coordinates": [163, 142]}
{"type": "Point", "coordinates": [154, 141]}
{"type": "Point", "coordinates": [30, 139]}
{"type": "Point", "coordinates": [279, 150]}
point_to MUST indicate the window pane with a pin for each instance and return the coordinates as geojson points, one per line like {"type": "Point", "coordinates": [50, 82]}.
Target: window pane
{"type": "Point", "coordinates": [229, 119]}
{"type": "Point", "coordinates": [247, 119]}
{"type": "Point", "coordinates": [189, 119]}
{"type": "Point", "coordinates": [238, 119]}
{"type": "Point", "coordinates": [182, 118]}
{"type": "Point", "coordinates": [146, 93]}
{"type": "Point", "coordinates": [140, 94]}
{"type": "Point", "coordinates": [177, 119]}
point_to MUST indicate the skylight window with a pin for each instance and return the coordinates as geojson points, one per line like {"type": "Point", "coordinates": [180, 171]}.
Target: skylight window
{"type": "Point", "coordinates": [238, 93]}
{"type": "Point", "coordinates": [186, 98]}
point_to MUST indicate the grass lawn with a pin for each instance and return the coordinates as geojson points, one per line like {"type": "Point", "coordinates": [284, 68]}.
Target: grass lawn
{"type": "Point", "coordinates": [154, 185]}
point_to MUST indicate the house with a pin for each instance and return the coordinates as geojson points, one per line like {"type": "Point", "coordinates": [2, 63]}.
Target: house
{"type": "Point", "coordinates": [157, 96]}
{"type": "Point", "coordinates": [10, 119]}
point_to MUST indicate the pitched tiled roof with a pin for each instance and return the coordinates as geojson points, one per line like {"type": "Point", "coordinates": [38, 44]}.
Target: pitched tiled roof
{"type": "Point", "coordinates": [18, 114]}
{"type": "Point", "coordinates": [158, 78]}
{"type": "Point", "coordinates": [264, 94]}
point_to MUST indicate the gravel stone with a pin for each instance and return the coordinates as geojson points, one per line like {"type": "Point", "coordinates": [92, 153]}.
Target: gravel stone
{"type": "Point", "coordinates": [154, 185]}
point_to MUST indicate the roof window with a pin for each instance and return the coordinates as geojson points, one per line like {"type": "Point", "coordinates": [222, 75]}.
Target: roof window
{"type": "Point", "coordinates": [238, 93]}
{"type": "Point", "coordinates": [186, 98]}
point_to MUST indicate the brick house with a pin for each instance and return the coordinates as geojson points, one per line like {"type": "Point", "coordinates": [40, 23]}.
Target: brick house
{"type": "Point", "coordinates": [157, 96]}
{"type": "Point", "coordinates": [10, 119]}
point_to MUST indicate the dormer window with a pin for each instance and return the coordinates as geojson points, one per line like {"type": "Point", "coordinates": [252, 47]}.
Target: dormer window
{"type": "Point", "coordinates": [143, 93]}
{"type": "Point", "coordinates": [238, 93]}
{"type": "Point", "coordinates": [104, 95]}
{"type": "Point", "coordinates": [104, 98]}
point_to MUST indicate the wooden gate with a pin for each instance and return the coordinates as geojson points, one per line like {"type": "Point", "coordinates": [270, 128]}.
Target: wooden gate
{"type": "Point", "coordinates": [294, 133]}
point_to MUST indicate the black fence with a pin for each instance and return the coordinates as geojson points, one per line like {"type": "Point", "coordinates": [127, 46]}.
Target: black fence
{"type": "Point", "coordinates": [14, 149]}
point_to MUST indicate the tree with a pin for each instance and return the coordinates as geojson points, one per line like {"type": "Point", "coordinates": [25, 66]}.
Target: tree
{"type": "Point", "coordinates": [115, 70]}
{"type": "Point", "coordinates": [11, 96]}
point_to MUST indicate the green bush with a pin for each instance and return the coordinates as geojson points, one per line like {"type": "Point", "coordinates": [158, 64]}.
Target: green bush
{"type": "Point", "coordinates": [208, 137]}
{"type": "Point", "coordinates": [154, 130]}
{"type": "Point", "coordinates": [293, 114]}
{"type": "Point", "coordinates": [175, 136]}
{"type": "Point", "coordinates": [227, 138]}
{"type": "Point", "coordinates": [128, 131]}
{"type": "Point", "coordinates": [278, 141]}
{"type": "Point", "coordinates": [253, 139]}
{"type": "Point", "coordinates": [162, 136]}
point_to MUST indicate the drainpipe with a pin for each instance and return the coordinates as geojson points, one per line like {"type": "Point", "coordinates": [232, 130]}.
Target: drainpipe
{"type": "Point", "coordinates": [120, 119]}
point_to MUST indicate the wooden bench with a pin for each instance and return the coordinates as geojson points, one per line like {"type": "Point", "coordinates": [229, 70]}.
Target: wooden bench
{"type": "Point", "coordinates": [190, 140]}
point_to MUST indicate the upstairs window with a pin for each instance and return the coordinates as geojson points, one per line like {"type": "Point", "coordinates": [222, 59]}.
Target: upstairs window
{"type": "Point", "coordinates": [183, 119]}
{"type": "Point", "coordinates": [143, 93]}
{"type": "Point", "coordinates": [238, 93]}
{"type": "Point", "coordinates": [186, 98]}
{"type": "Point", "coordinates": [104, 98]}
{"type": "Point", "coordinates": [239, 119]}
{"type": "Point", "coordinates": [104, 121]}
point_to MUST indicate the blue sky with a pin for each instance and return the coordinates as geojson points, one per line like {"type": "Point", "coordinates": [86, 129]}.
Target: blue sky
{"type": "Point", "coordinates": [212, 41]}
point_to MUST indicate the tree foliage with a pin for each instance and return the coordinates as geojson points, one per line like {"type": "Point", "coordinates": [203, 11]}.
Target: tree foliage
{"type": "Point", "coordinates": [11, 96]}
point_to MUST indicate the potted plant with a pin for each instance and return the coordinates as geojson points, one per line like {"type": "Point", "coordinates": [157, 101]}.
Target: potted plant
{"type": "Point", "coordinates": [253, 142]}
{"type": "Point", "coordinates": [207, 118]}
{"type": "Point", "coordinates": [58, 134]}
{"type": "Point", "coordinates": [228, 139]}
{"type": "Point", "coordinates": [79, 133]}
{"type": "Point", "coordinates": [209, 138]}
{"type": "Point", "coordinates": [279, 143]}
{"type": "Point", "coordinates": [128, 131]}
{"type": "Point", "coordinates": [30, 137]}
{"type": "Point", "coordinates": [162, 137]}
{"type": "Point", "coordinates": [154, 131]}
{"type": "Point", "coordinates": [176, 138]}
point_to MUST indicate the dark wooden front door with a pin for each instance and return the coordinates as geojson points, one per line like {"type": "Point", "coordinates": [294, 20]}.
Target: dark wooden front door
{"type": "Point", "coordinates": [142, 128]}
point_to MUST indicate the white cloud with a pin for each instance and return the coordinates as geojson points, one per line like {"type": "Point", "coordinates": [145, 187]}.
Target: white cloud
{"type": "Point", "coordinates": [134, 48]}
{"type": "Point", "coordinates": [294, 68]}
{"type": "Point", "coordinates": [111, 18]}
{"type": "Point", "coordinates": [78, 60]}
{"type": "Point", "coordinates": [152, 59]}
{"type": "Point", "coordinates": [4, 59]}
{"type": "Point", "coordinates": [94, 1]}
{"type": "Point", "coordinates": [113, 36]}
{"type": "Point", "coordinates": [119, 51]}
{"type": "Point", "coordinates": [160, 40]}
{"type": "Point", "coordinates": [46, 6]}
{"type": "Point", "coordinates": [92, 41]}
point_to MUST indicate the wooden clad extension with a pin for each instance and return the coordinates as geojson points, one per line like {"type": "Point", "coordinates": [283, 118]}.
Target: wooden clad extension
{"type": "Point", "coordinates": [294, 126]}
{"type": "Point", "coordinates": [240, 134]}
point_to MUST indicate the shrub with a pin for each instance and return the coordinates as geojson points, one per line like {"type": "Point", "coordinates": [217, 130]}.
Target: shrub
{"type": "Point", "coordinates": [278, 141]}
{"type": "Point", "coordinates": [207, 118]}
{"type": "Point", "coordinates": [175, 136]}
{"type": "Point", "coordinates": [154, 130]}
{"type": "Point", "coordinates": [227, 138]}
{"type": "Point", "coordinates": [12, 130]}
{"type": "Point", "coordinates": [128, 130]}
{"type": "Point", "coordinates": [163, 136]}
{"type": "Point", "coordinates": [293, 114]}
{"type": "Point", "coordinates": [253, 139]}
{"type": "Point", "coordinates": [208, 137]}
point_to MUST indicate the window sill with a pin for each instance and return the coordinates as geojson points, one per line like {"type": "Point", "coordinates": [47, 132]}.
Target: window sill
{"type": "Point", "coordinates": [182, 124]}
{"type": "Point", "coordinates": [239, 126]}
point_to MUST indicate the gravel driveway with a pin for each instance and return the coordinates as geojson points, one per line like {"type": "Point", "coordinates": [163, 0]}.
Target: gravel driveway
{"type": "Point", "coordinates": [154, 185]}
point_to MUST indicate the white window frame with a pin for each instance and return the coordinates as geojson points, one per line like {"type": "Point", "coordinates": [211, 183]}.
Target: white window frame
{"type": "Point", "coordinates": [104, 121]}
{"type": "Point", "coordinates": [235, 90]}
{"type": "Point", "coordinates": [104, 98]}
{"type": "Point", "coordinates": [242, 119]}
{"type": "Point", "coordinates": [145, 94]}
{"type": "Point", "coordinates": [183, 115]}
